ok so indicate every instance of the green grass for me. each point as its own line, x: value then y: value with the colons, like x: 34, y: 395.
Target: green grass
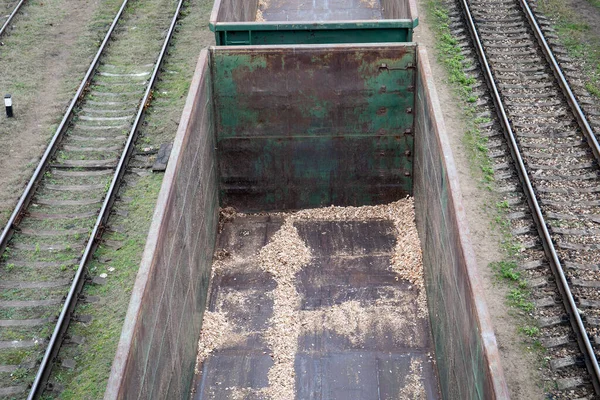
x: 518, y: 295
x: 531, y: 331
x: 507, y: 270
x: 95, y: 356
x: 581, y: 41
x: 519, y: 298
x: 449, y: 54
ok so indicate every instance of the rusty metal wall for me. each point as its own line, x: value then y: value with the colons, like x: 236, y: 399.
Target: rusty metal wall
x: 466, y: 351
x: 308, y: 126
x: 157, y: 351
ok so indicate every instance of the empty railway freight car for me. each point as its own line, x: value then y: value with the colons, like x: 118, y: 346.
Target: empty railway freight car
x: 285, y: 228
x: 261, y: 22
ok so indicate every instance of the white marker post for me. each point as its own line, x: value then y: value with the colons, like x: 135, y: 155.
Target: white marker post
x: 8, y: 105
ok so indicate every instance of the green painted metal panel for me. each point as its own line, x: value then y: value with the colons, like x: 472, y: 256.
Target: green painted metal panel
x: 265, y: 34
x: 246, y: 22
x: 260, y: 174
x: 305, y: 126
x: 313, y: 91
x: 231, y: 37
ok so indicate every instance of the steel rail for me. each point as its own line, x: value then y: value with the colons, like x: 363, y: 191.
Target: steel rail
x: 64, y: 318
x: 562, y: 81
x: 11, y: 16
x: 557, y: 269
x: 29, y: 191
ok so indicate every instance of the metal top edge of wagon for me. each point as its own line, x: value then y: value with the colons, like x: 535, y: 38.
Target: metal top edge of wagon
x: 264, y: 22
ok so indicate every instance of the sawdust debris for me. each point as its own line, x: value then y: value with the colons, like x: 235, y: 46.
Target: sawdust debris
x: 217, y: 331
x: 413, y: 388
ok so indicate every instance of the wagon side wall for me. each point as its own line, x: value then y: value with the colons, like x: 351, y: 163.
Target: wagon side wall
x: 465, y: 345
x: 157, y: 350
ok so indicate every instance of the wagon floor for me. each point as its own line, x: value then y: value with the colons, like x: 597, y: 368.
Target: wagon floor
x: 322, y: 10
x: 363, y: 354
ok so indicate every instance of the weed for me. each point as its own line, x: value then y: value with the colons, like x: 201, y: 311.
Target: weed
x: 518, y: 298
x: 595, y: 3
x: 501, y: 222
x: 478, y: 149
x: 507, y: 270
x: 531, y: 331
x: 593, y: 89
x: 538, y: 346
x: 512, y: 248
x: 503, y: 206
x: 19, y: 374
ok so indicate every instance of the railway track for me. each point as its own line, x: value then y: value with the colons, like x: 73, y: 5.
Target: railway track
x: 8, y: 10
x: 545, y: 161
x: 58, y: 221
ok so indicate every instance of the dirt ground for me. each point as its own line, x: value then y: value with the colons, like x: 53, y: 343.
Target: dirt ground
x: 519, y: 365
x: 41, y: 64
x: 588, y: 13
